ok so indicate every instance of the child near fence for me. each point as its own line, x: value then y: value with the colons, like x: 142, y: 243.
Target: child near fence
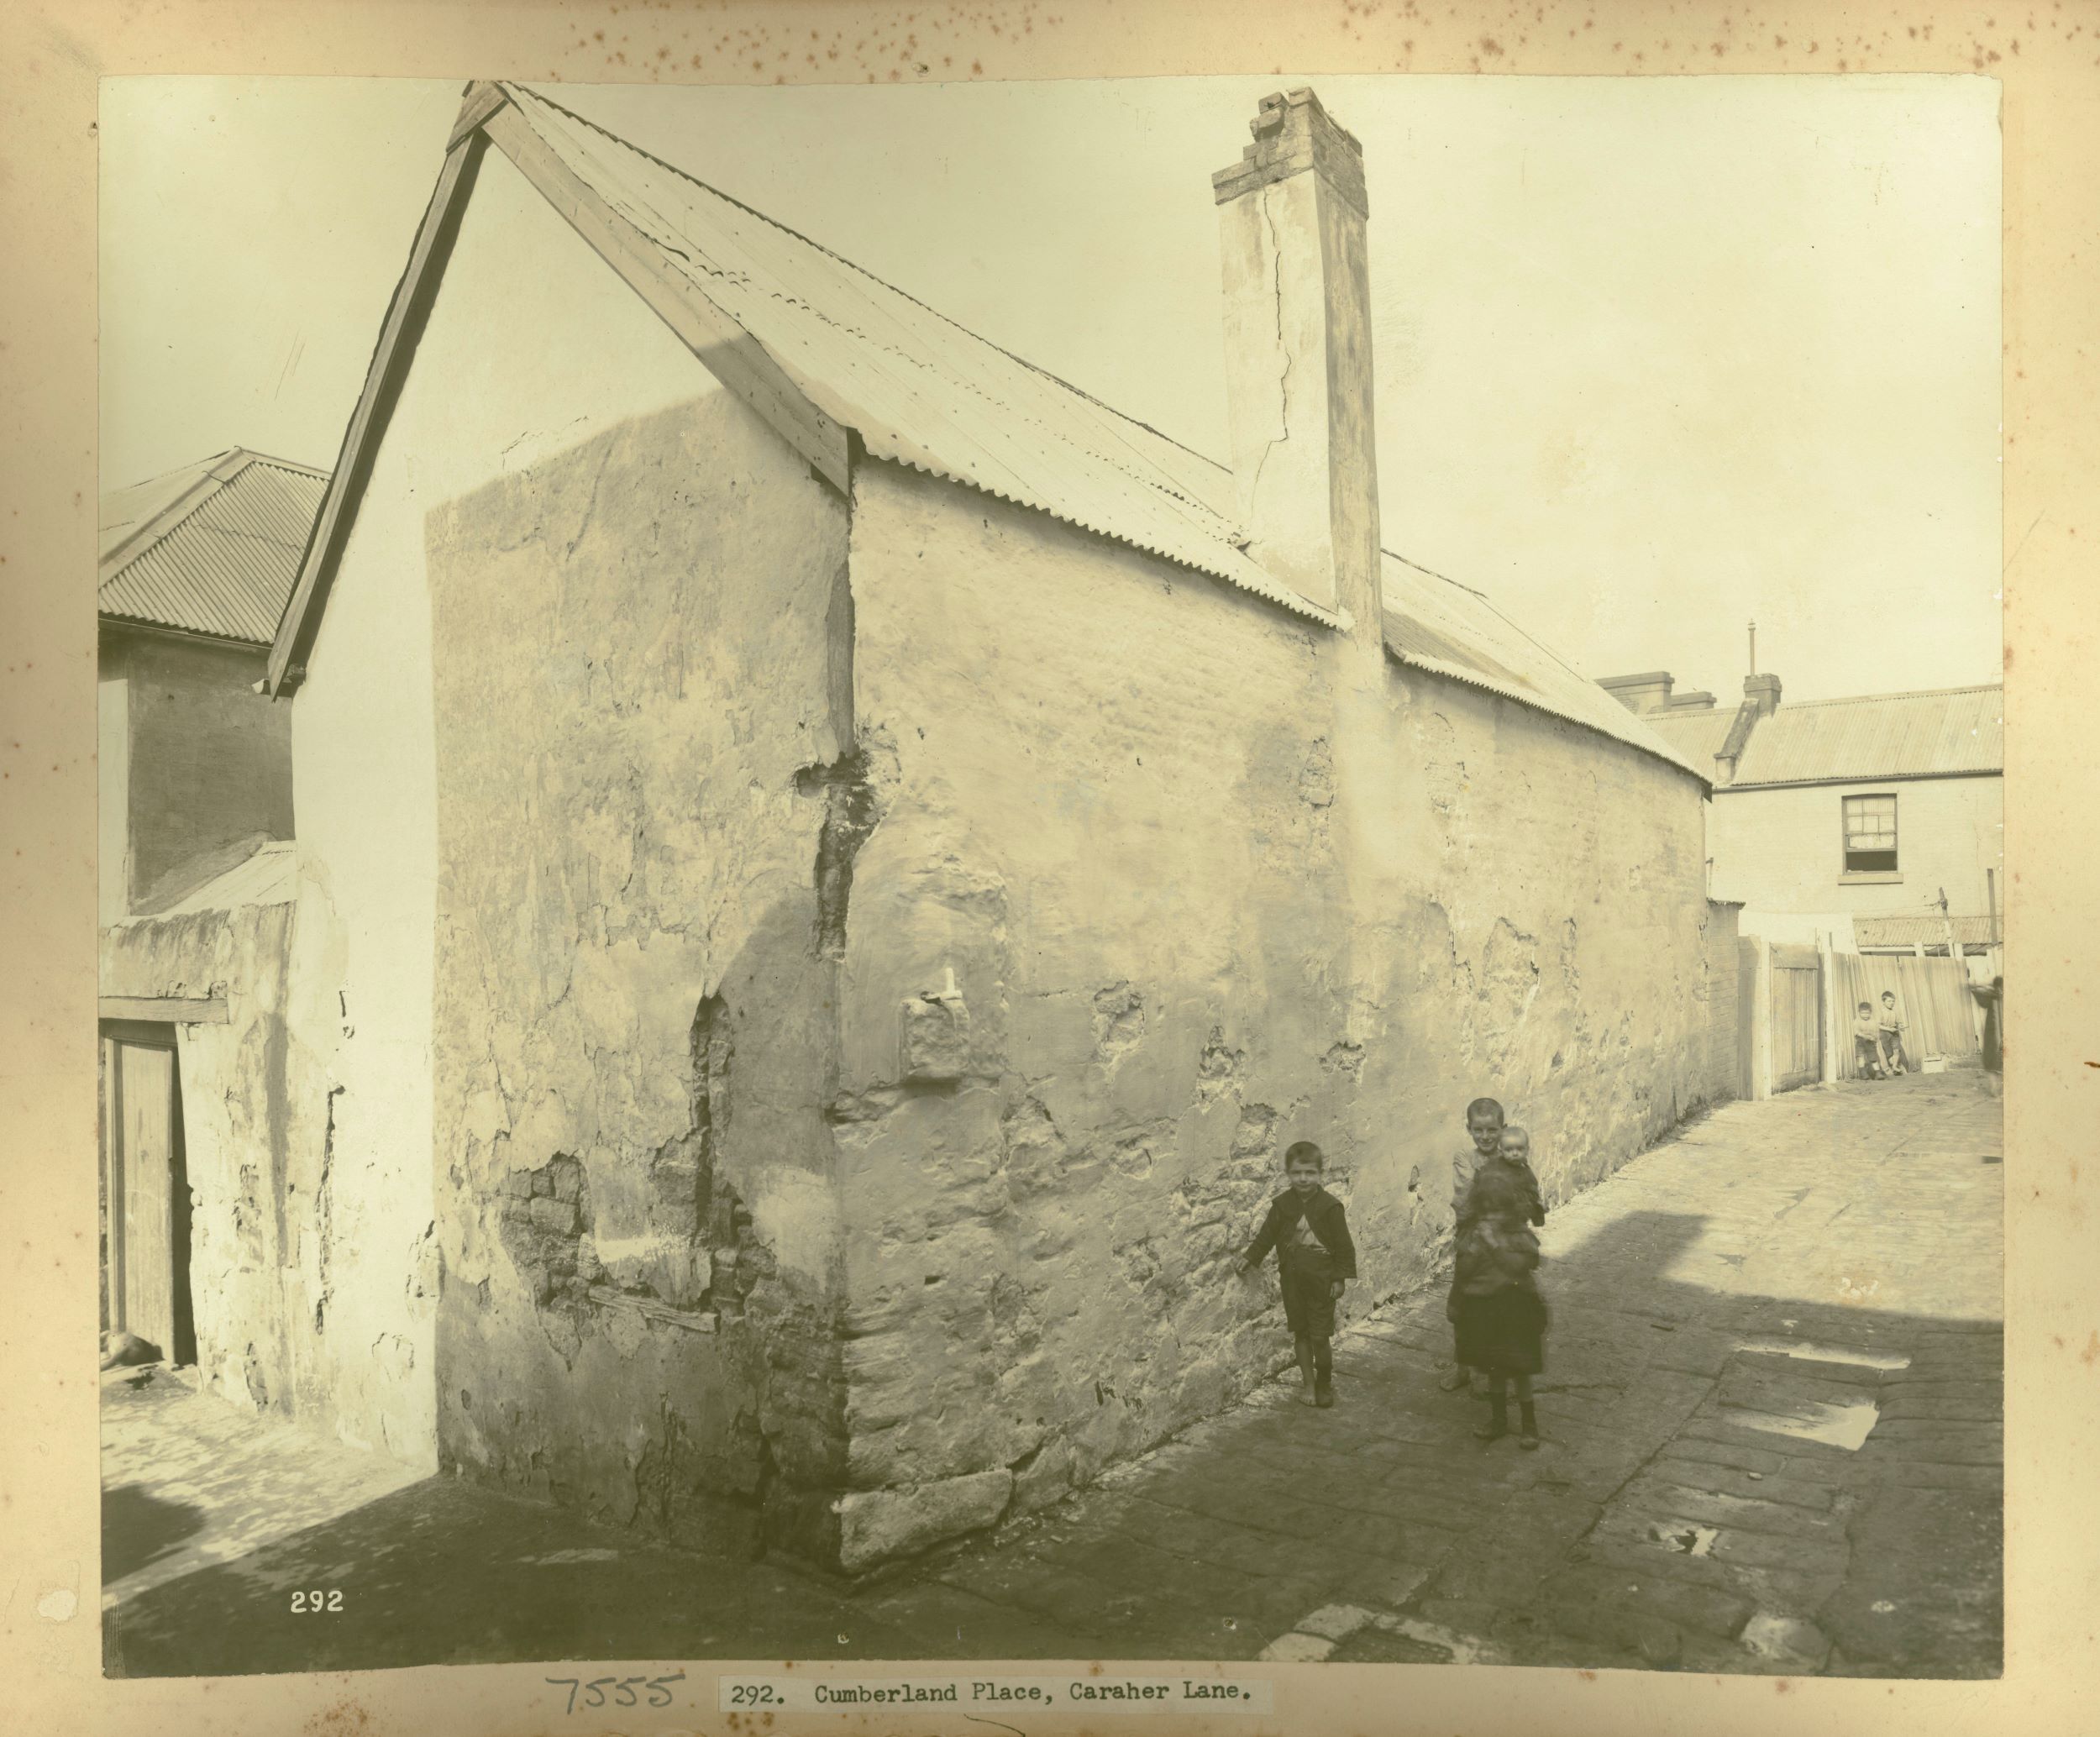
x: 1867, y: 1043
x: 1890, y: 1025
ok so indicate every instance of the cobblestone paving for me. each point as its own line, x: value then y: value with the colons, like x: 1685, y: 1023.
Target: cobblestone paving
x: 1773, y: 1431
x: 1772, y: 1423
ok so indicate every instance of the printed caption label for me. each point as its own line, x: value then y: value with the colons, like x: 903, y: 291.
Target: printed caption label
x: 1105, y: 1693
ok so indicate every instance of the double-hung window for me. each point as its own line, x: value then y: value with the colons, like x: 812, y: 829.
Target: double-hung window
x: 1869, y: 835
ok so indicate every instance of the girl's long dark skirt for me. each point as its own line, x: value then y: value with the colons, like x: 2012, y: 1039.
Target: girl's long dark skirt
x: 1503, y: 1332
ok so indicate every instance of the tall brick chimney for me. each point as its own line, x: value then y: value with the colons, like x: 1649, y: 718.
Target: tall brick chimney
x: 1762, y: 691
x: 1298, y: 354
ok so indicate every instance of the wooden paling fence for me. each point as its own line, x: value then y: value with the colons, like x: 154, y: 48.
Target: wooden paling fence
x: 1938, y: 1012
x: 1796, y: 1007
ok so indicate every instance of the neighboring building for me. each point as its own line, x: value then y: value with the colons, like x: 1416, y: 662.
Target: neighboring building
x: 1877, y: 821
x: 831, y: 864
x: 195, y: 765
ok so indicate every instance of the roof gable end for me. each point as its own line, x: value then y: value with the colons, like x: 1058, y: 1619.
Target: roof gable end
x: 828, y: 353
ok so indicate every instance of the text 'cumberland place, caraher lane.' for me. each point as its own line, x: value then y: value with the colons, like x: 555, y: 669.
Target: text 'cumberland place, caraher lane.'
x: 1124, y: 1693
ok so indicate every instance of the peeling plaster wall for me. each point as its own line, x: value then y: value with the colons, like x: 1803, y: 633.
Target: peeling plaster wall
x: 645, y: 791
x: 532, y: 345
x: 253, y: 1153
x: 1209, y: 880
x: 1562, y: 942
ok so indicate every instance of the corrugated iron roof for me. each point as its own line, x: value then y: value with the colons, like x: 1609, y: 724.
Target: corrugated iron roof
x: 922, y: 391
x: 213, y: 548
x: 269, y: 877
x: 916, y: 386
x: 1436, y: 624
x: 1930, y: 928
x: 1697, y: 735
x: 1949, y: 730
x: 1939, y: 732
x: 126, y: 511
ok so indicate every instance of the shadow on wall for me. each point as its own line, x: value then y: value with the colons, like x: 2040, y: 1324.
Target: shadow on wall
x: 650, y: 1357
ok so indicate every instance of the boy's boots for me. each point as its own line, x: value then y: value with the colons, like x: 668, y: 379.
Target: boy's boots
x: 1528, y: 1432
x: 1498, y: 1422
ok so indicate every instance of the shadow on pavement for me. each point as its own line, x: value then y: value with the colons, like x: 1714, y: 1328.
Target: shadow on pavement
x: 1733, y: 1478
x: 139, y: 1529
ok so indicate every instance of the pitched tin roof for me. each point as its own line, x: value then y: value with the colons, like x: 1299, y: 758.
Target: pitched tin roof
x: 1909, y: 930
x: 1436, y: 624
x: 210, y: 547
x: 1697, y: 735
x: 914, y: 386
x: 822, y: 346
x: 1938, y: 732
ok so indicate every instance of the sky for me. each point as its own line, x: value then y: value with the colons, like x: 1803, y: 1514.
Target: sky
x: 1653, y: 357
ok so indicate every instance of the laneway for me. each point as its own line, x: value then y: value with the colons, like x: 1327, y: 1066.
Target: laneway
x: 1773, y: 1441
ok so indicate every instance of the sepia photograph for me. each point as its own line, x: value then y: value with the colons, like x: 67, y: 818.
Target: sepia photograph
x: 1199, y: 869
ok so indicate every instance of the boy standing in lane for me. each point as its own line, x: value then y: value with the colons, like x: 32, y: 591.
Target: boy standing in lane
x: 1309, y: 1231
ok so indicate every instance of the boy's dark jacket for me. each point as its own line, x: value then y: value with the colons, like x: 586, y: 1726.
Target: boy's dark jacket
x: 1323, y: 1212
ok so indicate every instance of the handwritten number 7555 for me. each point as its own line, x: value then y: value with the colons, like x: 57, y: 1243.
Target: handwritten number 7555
x: 622, y: 1688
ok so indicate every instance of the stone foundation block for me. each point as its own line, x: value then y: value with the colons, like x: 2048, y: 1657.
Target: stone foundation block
x: 1046, y: 1479
x: 875, y: 1525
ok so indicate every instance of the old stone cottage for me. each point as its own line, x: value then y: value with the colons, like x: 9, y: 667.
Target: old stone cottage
x: 830, y: 863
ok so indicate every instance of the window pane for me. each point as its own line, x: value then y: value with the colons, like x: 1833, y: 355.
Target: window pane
x: 1869, y: 835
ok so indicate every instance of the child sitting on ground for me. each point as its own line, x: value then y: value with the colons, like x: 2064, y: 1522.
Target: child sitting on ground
x: 1483, y: 1130
x: 1310, y: 1233
x: 1867, y: 1043
x: 1501, y: 1317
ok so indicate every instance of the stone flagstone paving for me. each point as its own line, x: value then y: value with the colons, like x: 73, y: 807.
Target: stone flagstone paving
x: 1772, y: 1424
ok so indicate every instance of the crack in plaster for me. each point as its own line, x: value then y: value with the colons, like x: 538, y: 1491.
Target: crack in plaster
x: 1283, y: 379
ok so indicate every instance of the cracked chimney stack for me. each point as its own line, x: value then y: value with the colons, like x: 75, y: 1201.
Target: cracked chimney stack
x: 1298, y: 354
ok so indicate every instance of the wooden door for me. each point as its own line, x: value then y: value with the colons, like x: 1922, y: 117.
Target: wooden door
x: 149, y: 1191
x: 1796, y: 1018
